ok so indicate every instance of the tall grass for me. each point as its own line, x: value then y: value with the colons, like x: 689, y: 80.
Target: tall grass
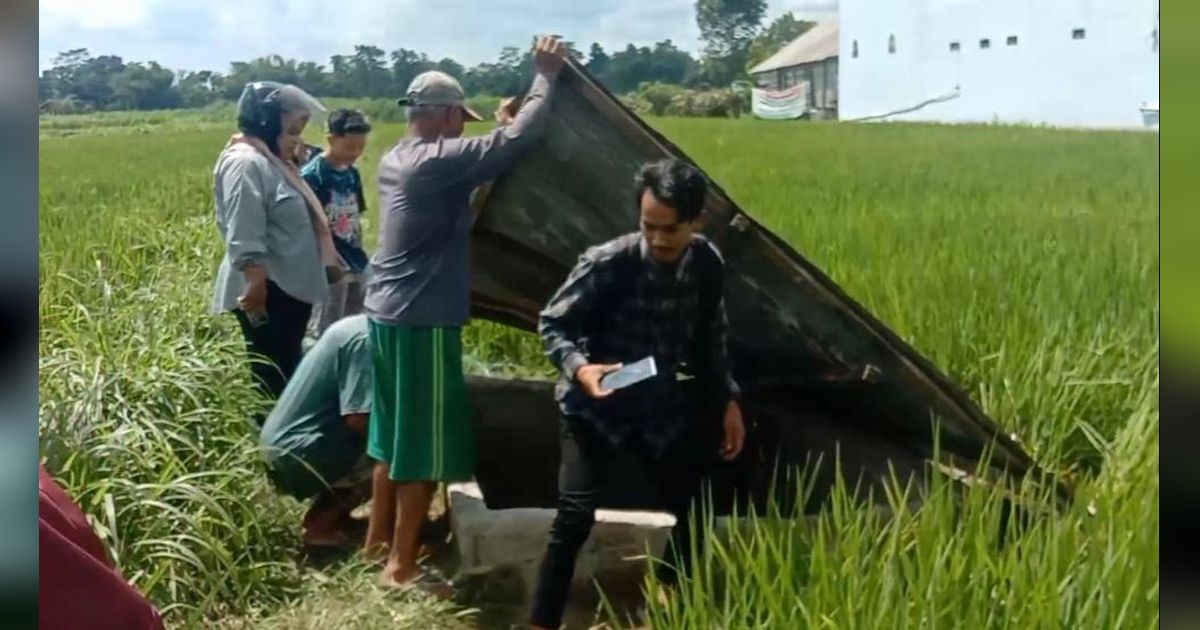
x: 1022, y: 261
x: 146, y: 400
x: 958, y: 558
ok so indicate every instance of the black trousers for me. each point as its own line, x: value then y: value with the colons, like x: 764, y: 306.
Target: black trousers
x: 278, y: 341
x: 586, y: 456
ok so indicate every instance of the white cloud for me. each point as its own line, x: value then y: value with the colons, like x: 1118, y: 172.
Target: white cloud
x: 807, y: 9
x: 95, y: 14
x: 644, y: 22
x: 195, y: 34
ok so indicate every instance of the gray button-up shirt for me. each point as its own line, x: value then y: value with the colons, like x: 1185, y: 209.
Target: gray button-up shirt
x: 263, y: 220
x: 420, y: 273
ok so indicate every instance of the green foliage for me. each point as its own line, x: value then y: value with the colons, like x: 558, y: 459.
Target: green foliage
x: 624, y: 71
x: 784, y: 30
x: 661, y: 99
x: 727, y: 28
x: 145, y: 86
x: 658, y: 96
x: 963, y: 559
x: 80, y: 83
x: 144, y: 398
x: 77, y: 75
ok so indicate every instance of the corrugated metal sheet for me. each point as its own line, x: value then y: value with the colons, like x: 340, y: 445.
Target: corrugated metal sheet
x: 818, y: 44
x: 822, y: 379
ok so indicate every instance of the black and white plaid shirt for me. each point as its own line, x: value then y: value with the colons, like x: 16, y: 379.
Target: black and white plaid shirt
x: 619, y: 305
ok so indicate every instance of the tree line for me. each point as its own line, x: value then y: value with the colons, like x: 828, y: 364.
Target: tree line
x: 734, y: 41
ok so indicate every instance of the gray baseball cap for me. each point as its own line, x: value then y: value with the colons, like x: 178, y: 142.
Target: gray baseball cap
x: 434, y: 88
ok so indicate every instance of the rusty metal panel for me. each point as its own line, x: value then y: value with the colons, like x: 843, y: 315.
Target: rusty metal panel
x: 795, y: 335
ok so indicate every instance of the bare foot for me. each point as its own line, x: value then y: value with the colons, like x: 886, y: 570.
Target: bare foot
x: 375, y: 546
x: 377, y: 552
x: 394, y: 577
x: 397, y: 575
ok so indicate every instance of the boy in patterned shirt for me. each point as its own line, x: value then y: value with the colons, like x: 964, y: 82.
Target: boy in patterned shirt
x: 333, y: 177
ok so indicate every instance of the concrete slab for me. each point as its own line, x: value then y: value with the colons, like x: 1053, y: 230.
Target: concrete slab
x: 511, y: 542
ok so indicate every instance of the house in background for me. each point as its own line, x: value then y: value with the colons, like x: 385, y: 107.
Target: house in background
x: 1077, y: 63
x: 802, y: 78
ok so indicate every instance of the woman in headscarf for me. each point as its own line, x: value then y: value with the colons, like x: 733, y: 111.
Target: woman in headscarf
x: 279, y: 255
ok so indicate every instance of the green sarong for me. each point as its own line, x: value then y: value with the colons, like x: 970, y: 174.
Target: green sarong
x: 421, y: 424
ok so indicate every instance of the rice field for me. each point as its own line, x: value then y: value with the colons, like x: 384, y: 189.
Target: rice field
x: 1022, y: 261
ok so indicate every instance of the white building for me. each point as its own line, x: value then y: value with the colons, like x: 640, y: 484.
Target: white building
x: 810, y: 60
x: 1085, y: 63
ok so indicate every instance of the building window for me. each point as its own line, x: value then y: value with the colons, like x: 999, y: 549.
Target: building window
x: 985, y: 44
x: 891, y: 44
x: 955, y: 47
x: 1079, y: 33
x: 854, y: 49
x: 1012, y: 40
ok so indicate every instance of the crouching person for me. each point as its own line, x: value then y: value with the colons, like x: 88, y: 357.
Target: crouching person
x: 654, y: 293
x: 314, y: 441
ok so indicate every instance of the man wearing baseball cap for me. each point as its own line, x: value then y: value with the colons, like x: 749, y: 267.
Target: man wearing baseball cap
x: 437, y: 89
x: 417, y: 300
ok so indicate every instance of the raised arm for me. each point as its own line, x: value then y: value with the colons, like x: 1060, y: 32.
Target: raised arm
x: 482, y: 158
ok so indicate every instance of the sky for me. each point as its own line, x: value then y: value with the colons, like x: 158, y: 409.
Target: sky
x: 208, y: 34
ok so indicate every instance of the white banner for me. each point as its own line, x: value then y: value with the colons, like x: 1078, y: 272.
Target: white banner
x: 780, y: 105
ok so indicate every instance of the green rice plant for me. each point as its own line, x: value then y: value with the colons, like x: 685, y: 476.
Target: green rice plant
x: 959, y: 557
x: 146, y: 405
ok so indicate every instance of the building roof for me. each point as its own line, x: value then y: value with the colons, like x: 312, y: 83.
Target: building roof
x: 817, y: 44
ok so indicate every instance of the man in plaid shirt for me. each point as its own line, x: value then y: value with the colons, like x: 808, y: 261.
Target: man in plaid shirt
x: 654, y: 293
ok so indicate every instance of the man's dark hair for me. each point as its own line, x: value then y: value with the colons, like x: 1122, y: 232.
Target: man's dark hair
x: 675, y: 183
x: 343, y: 122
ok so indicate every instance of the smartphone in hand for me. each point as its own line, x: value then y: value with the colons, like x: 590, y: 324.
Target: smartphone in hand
x: 630, y: 374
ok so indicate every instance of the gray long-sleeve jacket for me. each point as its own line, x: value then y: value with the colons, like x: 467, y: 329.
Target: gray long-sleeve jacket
x: 263, y: 220
x: 420, y: 273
